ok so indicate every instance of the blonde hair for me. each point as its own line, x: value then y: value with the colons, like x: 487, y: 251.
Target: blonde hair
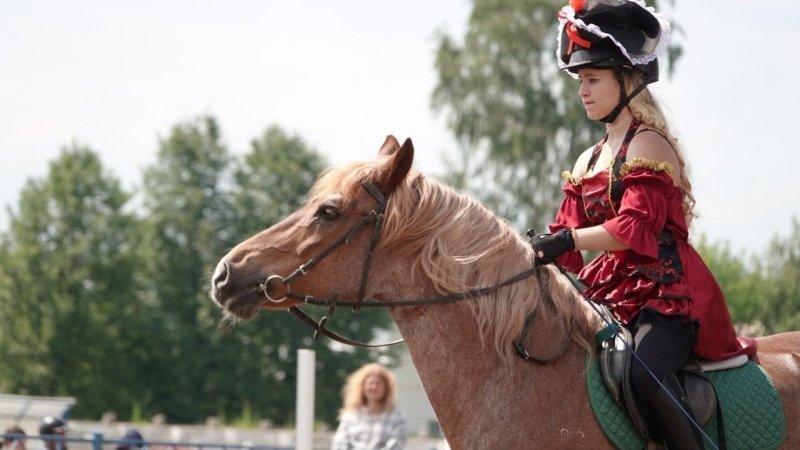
x: 353, y: 391
x: 646, y: 110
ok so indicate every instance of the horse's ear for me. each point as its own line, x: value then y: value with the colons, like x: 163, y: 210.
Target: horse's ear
x: 396, y: 167
x: 390, y: 145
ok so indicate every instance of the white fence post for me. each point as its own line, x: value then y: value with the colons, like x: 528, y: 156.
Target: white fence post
x: 306, y: 370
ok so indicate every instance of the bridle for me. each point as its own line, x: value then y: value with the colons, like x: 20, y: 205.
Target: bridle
x: 376, y: 215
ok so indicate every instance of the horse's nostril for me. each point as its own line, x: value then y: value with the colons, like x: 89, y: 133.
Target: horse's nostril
x: 221, y: 275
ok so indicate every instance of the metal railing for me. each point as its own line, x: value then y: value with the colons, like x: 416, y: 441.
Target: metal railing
x: 96, y: 441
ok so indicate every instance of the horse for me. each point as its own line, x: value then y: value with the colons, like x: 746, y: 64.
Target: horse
x: 428, y: 241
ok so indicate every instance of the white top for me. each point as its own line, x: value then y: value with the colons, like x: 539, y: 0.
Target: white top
x: 361, y: 430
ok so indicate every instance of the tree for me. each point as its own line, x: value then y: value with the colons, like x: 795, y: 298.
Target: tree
x: 763, y: 293
x: 199, y: 202
x: 782, y: 308
x: 114, y: 310
x: 516, y: 118
x: 186, y: 229
x: 273, y: 179
x: 742, y: 282
x: 67, y: 289
x: 507, y: 106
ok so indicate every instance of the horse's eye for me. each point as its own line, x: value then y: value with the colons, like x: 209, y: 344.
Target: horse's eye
x: 328, y: 212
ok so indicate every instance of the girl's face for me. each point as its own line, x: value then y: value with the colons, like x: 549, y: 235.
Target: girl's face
x: 599, y: 92
x: 374, y: 388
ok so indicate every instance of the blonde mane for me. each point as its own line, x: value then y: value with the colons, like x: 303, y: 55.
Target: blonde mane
x: 461, y: 246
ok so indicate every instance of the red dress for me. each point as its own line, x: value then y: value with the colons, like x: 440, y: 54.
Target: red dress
x: 661, y: 270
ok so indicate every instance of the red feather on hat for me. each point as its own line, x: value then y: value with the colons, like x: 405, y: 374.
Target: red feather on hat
x: 577, y: 5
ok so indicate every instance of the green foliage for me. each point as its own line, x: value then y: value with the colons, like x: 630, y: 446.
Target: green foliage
x: 740, y: 279
x: 272, y: 180
x: 67, y: 291
x: 783, y: 273
x: 114, y: 310
x: 184, y: 233
x: 762, y: 292
x: 516, y: 117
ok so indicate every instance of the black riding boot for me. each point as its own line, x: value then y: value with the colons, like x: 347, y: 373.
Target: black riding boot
x: 677, y: 431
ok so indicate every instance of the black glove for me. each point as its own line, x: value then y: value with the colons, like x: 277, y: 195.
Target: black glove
x: 547, y: 247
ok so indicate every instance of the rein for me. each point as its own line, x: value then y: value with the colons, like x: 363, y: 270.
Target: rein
x: 376, y: 215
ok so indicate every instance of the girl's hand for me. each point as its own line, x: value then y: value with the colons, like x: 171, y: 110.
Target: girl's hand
x: 547, y: 247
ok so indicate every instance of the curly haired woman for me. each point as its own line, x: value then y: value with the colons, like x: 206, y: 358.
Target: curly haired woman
x: 369, y: 419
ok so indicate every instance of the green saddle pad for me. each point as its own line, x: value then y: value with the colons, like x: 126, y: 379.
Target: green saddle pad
x: 751, y: 410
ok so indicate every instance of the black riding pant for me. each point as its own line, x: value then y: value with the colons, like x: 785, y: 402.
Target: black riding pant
x: 664, y: 344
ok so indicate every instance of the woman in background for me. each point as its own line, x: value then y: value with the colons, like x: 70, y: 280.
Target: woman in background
x: 369, y: 418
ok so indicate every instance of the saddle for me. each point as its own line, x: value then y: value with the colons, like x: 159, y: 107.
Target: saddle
x: 615, y: 362
x: 746, y: 397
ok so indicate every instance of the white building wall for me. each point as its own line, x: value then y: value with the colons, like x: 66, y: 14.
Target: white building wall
x: 421, y: 420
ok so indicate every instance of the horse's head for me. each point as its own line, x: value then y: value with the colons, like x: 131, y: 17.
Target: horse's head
x: 320, y: 249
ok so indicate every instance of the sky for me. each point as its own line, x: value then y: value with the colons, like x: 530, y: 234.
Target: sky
x: 342, y: 75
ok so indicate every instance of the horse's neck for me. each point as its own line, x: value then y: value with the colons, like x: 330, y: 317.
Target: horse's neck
x: 479, y: 402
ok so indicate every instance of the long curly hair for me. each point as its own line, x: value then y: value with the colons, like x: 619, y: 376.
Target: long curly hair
x: 353, y: 391
x: 647, y: 110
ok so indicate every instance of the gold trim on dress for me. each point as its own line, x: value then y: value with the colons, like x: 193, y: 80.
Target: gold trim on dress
x: 641, y: 163
x: 611, y: 179
x: 567, y: 175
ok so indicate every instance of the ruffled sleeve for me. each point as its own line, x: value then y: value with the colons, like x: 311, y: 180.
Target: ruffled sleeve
x: 570, y: 215
x: 644, y: 208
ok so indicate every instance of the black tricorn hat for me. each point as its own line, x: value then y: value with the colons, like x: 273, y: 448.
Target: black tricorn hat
x: 611, y: 33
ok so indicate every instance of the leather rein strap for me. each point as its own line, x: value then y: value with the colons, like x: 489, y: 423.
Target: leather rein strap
x: 319, y: 327
x: 375, y: 215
